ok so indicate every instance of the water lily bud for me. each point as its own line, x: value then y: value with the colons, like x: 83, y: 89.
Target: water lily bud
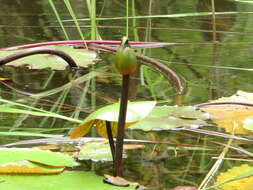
x: 125, y: 61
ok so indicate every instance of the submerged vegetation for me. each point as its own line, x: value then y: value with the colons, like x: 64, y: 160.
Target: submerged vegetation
x: 182, y: 127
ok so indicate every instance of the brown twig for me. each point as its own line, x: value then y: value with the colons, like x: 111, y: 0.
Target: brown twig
x: 223, y: 103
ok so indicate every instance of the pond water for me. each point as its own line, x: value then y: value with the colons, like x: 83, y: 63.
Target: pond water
x: 216, y: 62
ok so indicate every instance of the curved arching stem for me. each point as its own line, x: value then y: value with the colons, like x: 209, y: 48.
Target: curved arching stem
x: 170, y: 73
x: 224, y: 103
x: 29, y: 52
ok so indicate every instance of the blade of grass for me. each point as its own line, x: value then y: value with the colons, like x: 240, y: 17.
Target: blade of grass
x: 39, y: 112
x: 73, y: 15
x: 58, y: 19
x: 215, y: 167
x: 127, y: 20
x: 28, y: 134
x: 178, y: 15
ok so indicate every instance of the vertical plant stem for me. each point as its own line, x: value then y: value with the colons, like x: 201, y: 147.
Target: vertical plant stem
x: 110, y: 138
x: 118, y: 164
x: 214, y: 22
x: 127, y: 15
x: 73, y: 15
x: 58, y: 19
x: 135, y: 30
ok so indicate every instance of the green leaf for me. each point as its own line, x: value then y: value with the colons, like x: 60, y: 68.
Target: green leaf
x: 95, y: 152
x: 136, y: 111
x: 49, y: 158
x: 171, y: 117
x: 82, y: 58
x: 64, y: 181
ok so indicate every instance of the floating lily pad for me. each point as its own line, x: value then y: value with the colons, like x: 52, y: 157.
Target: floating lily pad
x: 230, y: 113
x: 9, y: 155
x: 64, y: 181
x: 82, y: 58
x: 172, y: 117
x: 136, y: 111
x: 27, y: 167
x: 96, y: 152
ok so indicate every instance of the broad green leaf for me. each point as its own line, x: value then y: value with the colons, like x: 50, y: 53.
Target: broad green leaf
x: 136, y: 111
x: 49, y: 158
x: 171, y: 117
x: 27, y: 167
x: 82, y: 58
x: 64, y: 181
x: 95, y: 152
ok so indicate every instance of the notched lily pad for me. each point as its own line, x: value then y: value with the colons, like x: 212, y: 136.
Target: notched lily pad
x: 82, y: 57
x: 27, y: 167
x: 65, y: 181
x: 96, y: 152
x: 172, y: 117
x: 10, y: 155
x: 230, y: 114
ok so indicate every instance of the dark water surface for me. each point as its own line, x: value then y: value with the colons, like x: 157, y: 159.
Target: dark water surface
x: 215, y: 64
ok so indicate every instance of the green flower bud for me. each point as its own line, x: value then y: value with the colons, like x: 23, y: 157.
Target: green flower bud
x: 124, y: 59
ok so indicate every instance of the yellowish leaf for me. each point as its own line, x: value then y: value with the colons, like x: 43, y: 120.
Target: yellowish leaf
x: 244, y: 183
x: 231, y: 116
x: 132, y: 146
x: 27, y: 167
x: 3, y: 79
x: 81, y: 130
x: 118, y: 181
x: 101, y: 128
x: 100, y: 125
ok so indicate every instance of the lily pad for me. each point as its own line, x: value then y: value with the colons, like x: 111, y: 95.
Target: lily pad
x: 40, y: 61
x: 172, y: 117
x: 27, y: 167
x: 136, y: 111
x: 64, y: 181
x: 9, y: 155
x: 96, y: 152
x: 231, y: 113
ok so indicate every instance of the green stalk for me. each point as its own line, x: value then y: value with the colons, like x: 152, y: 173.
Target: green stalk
x: 127, y: 24
x: 118, y: 163
x: 58, y: 19
x: 73, y: 15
